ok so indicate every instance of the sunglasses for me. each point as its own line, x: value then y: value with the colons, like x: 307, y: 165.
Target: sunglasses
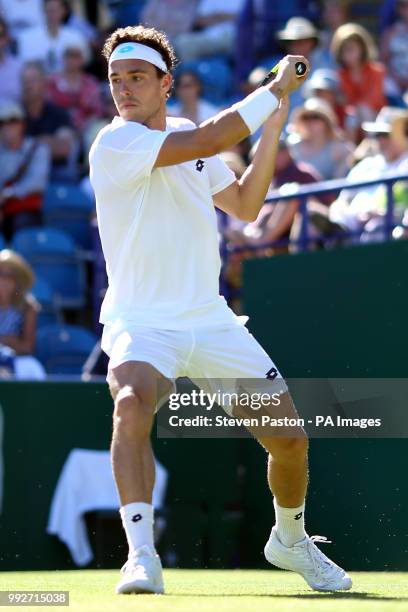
x: 378, y: 135
x: 312, y: 117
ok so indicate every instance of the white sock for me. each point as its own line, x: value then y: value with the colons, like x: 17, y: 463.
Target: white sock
x: 137, y: 521
x: 290, y: 523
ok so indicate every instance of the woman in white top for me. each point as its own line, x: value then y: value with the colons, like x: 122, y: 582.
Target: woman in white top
x: 189, y: 103
x: 315, y: 138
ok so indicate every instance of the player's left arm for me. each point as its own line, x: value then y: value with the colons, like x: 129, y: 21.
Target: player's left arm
x: 244, y: 198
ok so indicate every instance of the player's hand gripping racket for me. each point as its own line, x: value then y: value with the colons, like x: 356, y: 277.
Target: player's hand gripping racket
x: 300, y: 68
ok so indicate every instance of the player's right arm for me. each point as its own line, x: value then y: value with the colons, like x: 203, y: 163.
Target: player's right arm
x: 228, y: 127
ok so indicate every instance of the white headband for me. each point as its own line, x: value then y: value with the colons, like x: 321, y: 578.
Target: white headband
x: 131, y: 50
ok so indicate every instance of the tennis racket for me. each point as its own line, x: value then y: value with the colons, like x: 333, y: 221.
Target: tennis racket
x: 300, y: 68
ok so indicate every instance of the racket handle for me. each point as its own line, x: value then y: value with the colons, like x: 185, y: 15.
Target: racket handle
x: 300, y: 68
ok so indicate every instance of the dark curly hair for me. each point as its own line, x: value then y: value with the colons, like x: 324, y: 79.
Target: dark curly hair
x: 146, y: 36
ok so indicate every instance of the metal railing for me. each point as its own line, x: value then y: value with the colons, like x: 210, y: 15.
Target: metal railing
x: 302, y: 193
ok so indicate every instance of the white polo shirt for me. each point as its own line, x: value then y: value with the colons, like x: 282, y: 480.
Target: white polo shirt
x: 158, y: 230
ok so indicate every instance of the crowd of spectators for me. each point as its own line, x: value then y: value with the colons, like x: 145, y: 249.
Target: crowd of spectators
x: 349, y: 119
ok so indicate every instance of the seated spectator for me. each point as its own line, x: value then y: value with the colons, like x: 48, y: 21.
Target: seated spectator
x: 257, y: 25
x: 75, y: 90
x: 77, y: 20
x: 174, y: 17
x: 24, y: 171
x: 108, y: 112
x: 94, y: 126
x: 51, y: 124
x: 274, y: 221
x: 335, y: 13
x: 361, y: 78
x: 354, y: 208
x: 214, y: 30
x: 10, y: 69
x: 300, y: 37
x: 394, y: 53
x: 315, y: 138
x: 22, y: 15
x: 18, y: 315
x: 48, y: 43
x: 189, y: 103
x: 324, y: 84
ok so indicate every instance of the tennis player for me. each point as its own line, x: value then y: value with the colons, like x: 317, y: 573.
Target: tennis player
x: 157, y: 180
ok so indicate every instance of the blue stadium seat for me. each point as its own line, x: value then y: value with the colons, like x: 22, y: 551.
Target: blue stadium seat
x: 49, y: 312
x: 53, y: 256
x: 216, y: 75
x: 68, y: 208
x: 63, y: 349
x: 2, y: 242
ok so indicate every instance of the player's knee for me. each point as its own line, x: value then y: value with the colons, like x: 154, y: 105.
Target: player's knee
x: 131, y: 416
x: 292, y: 450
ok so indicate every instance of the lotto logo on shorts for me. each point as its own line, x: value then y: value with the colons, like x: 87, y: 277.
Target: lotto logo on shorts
x: 272, y: 374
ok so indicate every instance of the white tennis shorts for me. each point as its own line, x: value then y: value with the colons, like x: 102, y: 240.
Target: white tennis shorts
x: 212, y: 357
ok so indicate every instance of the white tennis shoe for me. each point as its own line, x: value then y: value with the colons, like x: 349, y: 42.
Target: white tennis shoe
x: 142, y: 573
x: 306, y: 559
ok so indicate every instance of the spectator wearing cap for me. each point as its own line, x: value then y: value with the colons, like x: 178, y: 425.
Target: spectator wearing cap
x: 354, y: 208
x: 75, y: 90
x: 361, y: 78
x: 324, y: 84
x: 50, y: 123
x: 213, y: 32
x: 300, y: 37
x: 175, y: 17
x: 48, y: 43
x: 189, y: 102
x: 315, y: 138
x: 24, y: 172
x: 257, y: 25
x: 18, y: 315
x: 10, y: 69
x: 394, y: 53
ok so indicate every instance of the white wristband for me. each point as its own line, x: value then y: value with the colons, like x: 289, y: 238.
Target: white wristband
x: 256, y: 108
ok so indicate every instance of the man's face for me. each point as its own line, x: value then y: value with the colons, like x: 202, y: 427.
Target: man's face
x: 12, y: 132
x: 303, y: 46
x: 33, y: 84
x: 389, y: 147
x: 54, y: 12
x: 139, y: 93
x: 188, y: 89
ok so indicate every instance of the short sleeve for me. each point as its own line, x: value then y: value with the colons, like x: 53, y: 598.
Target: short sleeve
x: 219, y: 174
x: 128, y: 152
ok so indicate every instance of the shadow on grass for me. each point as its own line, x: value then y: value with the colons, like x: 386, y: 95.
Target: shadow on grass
x: 321, y: 595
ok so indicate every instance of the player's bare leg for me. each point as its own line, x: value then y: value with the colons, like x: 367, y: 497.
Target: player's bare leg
x: 289, y: 546
x: 134, y: 388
